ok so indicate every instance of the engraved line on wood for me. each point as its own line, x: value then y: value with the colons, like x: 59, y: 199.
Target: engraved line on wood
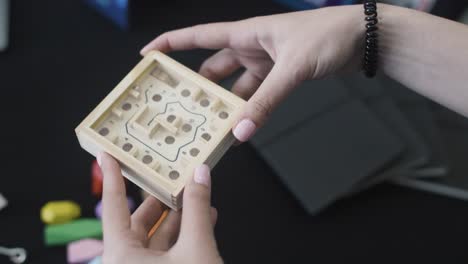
x: 165, y: 110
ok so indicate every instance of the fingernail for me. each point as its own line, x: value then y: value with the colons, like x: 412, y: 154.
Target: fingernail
x: 98, y: 158
x: 202, y: 175
x: 244, y: 130
x: 143, y: 50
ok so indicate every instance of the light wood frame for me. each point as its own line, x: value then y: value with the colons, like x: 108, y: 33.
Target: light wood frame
x: 144, y: 176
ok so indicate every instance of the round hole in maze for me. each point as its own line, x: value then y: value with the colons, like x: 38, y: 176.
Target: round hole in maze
x: 194, y: 152
x: 185, y: 93
x: 186, y: 128
x: 171, y: 118
x: 204, y: 102
x: 147, y: 159
x: 104, y: 131
x: 169, y: 139
x: 206, y: 136
x: 157, y: 97
x: 174, y: 175
x: 127, y: 147
x: 126, y: 106
x: 223, y: 115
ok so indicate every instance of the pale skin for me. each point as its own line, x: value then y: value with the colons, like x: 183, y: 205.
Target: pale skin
x: 426, y: 53
x: 183, y: 237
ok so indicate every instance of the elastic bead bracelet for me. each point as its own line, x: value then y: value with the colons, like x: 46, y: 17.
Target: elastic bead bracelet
x: 371, y: 41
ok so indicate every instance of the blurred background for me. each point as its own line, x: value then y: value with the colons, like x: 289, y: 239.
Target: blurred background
x: 368, y: 172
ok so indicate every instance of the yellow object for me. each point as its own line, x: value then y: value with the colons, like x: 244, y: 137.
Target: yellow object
x: 59, y: 212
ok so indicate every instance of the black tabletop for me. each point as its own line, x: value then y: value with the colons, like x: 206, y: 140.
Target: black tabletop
x: 64, y: 58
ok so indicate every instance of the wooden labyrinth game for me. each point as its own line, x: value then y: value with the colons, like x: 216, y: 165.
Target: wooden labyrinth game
x: 160, y: 122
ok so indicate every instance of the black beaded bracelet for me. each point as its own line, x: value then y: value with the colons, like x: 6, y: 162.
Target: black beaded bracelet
x: 371, y: 50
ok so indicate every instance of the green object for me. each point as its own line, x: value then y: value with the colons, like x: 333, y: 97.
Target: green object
x: 63, y: 234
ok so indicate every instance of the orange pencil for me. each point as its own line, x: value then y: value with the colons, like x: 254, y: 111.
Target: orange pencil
x: 158, y: 223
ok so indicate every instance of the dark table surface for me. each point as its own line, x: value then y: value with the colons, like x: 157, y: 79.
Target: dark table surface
x: 65, y: 58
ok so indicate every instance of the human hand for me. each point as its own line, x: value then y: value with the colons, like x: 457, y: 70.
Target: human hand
x: 278, y: 52
x: 183, y: 237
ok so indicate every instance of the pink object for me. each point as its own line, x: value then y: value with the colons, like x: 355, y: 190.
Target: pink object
x: 202, y: 175
x: 98, y: 209
x: 84, y: 250
x: 244, y: 130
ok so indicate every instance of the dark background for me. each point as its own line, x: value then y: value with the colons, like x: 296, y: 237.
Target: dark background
x: 64, y: 58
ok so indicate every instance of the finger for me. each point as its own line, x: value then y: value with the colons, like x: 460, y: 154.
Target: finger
x: 214, y: 216
x: 197, y: 225
x: 246, y: 85
x: 145, y: 216
x: 220, y: 65
x: 167, y: 233
x: 276, y: 86
x: 207, y: 36
x: 115, y: 212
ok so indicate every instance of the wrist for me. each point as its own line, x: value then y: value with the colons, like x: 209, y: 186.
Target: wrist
x: 355, y: 31
x: 357, y: 27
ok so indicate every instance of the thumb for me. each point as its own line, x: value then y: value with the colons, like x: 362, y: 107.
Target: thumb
x: 274, y: 89
x: 197, y: 219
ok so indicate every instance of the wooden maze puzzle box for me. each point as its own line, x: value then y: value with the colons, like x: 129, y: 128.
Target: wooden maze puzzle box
x: 160, y: 122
